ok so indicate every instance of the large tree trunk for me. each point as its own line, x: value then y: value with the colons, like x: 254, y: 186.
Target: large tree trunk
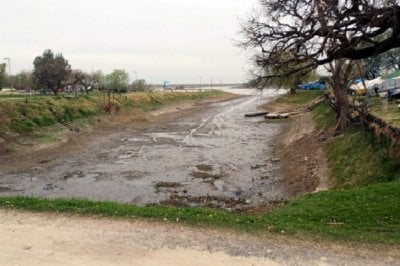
x: 343, y: 108
x: 341, y: 72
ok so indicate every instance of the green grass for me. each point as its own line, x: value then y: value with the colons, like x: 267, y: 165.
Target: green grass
x: 324, y: 116
x: 366, y: 214
x: 300, y: 98
x: 391, y: 115
x: 26, y: 115
x: 359, y: 158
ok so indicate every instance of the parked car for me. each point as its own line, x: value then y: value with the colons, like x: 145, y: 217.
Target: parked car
x: 316, y: 85
x: 373, y: 86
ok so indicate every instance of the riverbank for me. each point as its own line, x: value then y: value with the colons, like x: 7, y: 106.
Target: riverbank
x: 348, y: 212
x: 28, y: 124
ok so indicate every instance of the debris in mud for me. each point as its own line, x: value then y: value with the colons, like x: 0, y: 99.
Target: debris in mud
x: 4, y: 189
x: 132, y: 175
x: 36, y: 168
x: 255, y: 114
x: 49, y: 187
x: 44, y: 161
x: 79, y: 174
x: 275, y: 160
x: 205, y: 176
x: 257, y: 166
x: 205, y: 201
x: 204, y: 167
x: 277, y: 116
x: 158, y: 186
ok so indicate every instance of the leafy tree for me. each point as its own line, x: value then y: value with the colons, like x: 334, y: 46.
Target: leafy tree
x: 387, y: 61
x: 139, y: 85
x: 50, y: 70
x: 318, y: 32
x: 98, y: 80
x: 117, y: 81
x: 22, y: 80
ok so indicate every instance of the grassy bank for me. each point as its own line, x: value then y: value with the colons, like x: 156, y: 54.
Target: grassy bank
x: 366, y: 214
x: 298, y: 99
x: 24, y: 115
x: 364, y: 206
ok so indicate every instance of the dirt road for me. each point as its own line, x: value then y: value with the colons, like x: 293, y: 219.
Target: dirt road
x: 50, y: 239
x: 208, y: 155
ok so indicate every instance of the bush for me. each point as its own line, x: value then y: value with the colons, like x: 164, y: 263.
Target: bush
x: 25, y: 126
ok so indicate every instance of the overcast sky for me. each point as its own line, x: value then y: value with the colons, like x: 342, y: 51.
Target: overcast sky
x: 175, y: 40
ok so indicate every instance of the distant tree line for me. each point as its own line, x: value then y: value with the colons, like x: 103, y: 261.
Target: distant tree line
x: 52, y: 73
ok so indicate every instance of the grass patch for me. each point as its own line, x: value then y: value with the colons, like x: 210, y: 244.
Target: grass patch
x: 298, y: 99
x: 366, y: 214
x: 27, y: 114
x: 359, y: 158
x: 324, y: 116
x: 391, y: 115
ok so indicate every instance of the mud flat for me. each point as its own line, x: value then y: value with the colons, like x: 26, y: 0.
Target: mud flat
x: 208, y: 155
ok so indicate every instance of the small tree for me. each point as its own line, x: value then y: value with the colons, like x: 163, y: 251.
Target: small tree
x: 117, y: 81
x: 99, y: 80
x: 139, y: 85
x: 50, y: 70
x: 22, y: 80
x: 83, y: 79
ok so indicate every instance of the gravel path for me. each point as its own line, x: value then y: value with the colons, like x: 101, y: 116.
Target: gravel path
x: 53, y: 239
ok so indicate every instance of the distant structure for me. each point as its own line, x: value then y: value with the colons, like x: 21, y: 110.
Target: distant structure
x: 166, y: 85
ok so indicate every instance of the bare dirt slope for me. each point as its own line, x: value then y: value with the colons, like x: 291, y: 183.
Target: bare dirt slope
x: 50, y: 239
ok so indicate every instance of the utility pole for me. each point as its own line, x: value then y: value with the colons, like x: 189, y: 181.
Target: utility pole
x: 9, y: 65
x: 201, y: 77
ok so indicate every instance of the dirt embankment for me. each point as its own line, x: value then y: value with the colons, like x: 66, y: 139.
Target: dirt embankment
x: 300, y: 149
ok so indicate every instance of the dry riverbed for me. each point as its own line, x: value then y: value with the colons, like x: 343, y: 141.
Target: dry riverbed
x: 206, y: 155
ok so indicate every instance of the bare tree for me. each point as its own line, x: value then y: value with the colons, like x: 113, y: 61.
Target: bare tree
x: 317, y: 32
x: 83, y: 79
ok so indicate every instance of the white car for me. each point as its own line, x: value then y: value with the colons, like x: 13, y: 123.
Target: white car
x: 373, y: 86
x: 385, y: 88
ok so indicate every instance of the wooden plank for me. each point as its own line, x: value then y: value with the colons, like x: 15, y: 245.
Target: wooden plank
x: 256, y: 114
x: 277, y: 116
x: 272, y: 116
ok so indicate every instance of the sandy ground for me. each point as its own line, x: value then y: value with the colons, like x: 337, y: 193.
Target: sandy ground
x: 51, y: 239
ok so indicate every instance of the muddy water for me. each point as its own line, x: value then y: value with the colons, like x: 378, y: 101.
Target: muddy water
x: 208, y: 156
